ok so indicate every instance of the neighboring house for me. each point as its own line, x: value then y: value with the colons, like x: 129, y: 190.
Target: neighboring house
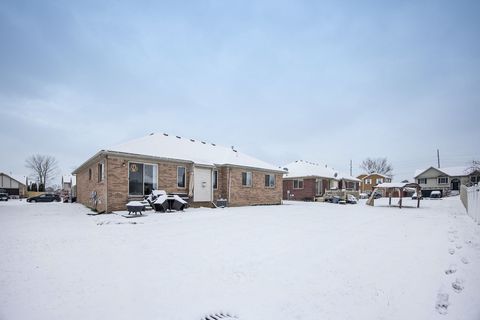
x: 369, y: 181
x: 306, y: 180
x: 446, y: 179
x: 67, y: 186
x: 198, y: 171
x: 13, y: 186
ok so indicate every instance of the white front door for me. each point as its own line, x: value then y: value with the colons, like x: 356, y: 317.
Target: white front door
x: 202, y: 187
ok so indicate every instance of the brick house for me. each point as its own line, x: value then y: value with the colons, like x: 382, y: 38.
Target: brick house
x: 307, y: 180
x: 202, y: 172
x: 369, y: 181
x: 446, y: 179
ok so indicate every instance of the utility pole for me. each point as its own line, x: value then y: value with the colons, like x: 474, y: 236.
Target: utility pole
x: 350, y: 168
x: 438, y: 158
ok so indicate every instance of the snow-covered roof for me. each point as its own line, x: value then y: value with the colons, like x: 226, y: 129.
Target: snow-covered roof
x: 199, y: 152
x: 301, y: 168
x: 449, y: 171
x: 16, y: 177
x: 375, y: 173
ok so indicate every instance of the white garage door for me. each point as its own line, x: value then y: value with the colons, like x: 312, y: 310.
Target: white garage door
x: 202, y: 187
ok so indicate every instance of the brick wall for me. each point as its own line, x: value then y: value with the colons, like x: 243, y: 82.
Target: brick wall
x: 307, y: 193
x: 118, y: 179
x: 85, y: 186
x: 257, y: 193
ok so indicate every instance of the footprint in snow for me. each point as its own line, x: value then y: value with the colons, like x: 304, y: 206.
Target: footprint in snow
x: 451, y: 240
x: 451, y: 251
x: 459, y: 246
x: 465, y: 260
x: 442, y: 303
x: 451, y: 269
x: 458, y: 285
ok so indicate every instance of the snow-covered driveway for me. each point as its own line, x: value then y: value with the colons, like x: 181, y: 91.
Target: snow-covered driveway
x: 295, y: 261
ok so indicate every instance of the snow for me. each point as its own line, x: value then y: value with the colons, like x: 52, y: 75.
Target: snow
x: 394, y: 185
x: 295, y: 261
x: 302, y: 169
x: 200, y: 152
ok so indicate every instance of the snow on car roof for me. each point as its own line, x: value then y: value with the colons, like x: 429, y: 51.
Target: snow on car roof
x: 198, y: 151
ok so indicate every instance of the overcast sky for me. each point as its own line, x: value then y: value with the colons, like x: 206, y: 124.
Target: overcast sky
x: 324, y: 81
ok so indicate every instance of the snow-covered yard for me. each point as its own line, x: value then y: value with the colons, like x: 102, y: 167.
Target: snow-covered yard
x: 295, y: 261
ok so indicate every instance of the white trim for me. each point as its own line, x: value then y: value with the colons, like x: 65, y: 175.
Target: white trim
x: 143, y: 176
x: 246, y: 179
x: 216, y: 176
x: 274, y: 180
x: 298, y: 188
x: 185, y: 178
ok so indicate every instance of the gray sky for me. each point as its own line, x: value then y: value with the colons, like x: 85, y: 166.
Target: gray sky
x: 324, y: 81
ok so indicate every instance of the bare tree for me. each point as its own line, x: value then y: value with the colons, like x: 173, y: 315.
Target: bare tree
x: 378, y: 165
x: 474, y: 166
x: 44, y: 168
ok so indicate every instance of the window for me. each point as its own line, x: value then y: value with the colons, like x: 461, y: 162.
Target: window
x: 297, y: 184
x: 246, y: 179
x: 181, y: 173
x: 142, y: 178
x: 215, y: 179
x: 379, y: 180
x: 101, y: 171
x: 270, y: 180
x: 368, y: 181
x: 422, y: 181
x: 442, y: 180
x: 90, y: 174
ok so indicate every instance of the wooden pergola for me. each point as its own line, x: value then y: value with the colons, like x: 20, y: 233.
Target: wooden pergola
x: 390, y: 187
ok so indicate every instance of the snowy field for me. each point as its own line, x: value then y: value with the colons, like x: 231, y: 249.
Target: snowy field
x: 295, y: 261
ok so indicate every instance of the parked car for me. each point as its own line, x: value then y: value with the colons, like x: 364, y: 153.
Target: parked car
x: 4, y: 197
x: 435, y: 195
x: 47, y: 197
x: 414, y: 196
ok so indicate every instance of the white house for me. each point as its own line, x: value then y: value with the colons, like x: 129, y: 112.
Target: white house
x: 446, y: 179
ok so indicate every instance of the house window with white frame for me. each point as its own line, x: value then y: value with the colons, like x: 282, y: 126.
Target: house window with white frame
x: 247, y: 179
x: 368, y: 181
x: 215, y: 179
x: 181, y: 177
x: 298, y: 184
x: 101, y: 171
x: 422, y: 181
x: 142, y: 178
x: 442, y: 180
x: 270, y: 180
x: 379, y: 180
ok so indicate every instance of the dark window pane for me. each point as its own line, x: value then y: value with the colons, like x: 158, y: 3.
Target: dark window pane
x: 244, y: 178
x: 215, y: 179
x: 181, y: 177
x: 135, y: 179
x: 148, y: 179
